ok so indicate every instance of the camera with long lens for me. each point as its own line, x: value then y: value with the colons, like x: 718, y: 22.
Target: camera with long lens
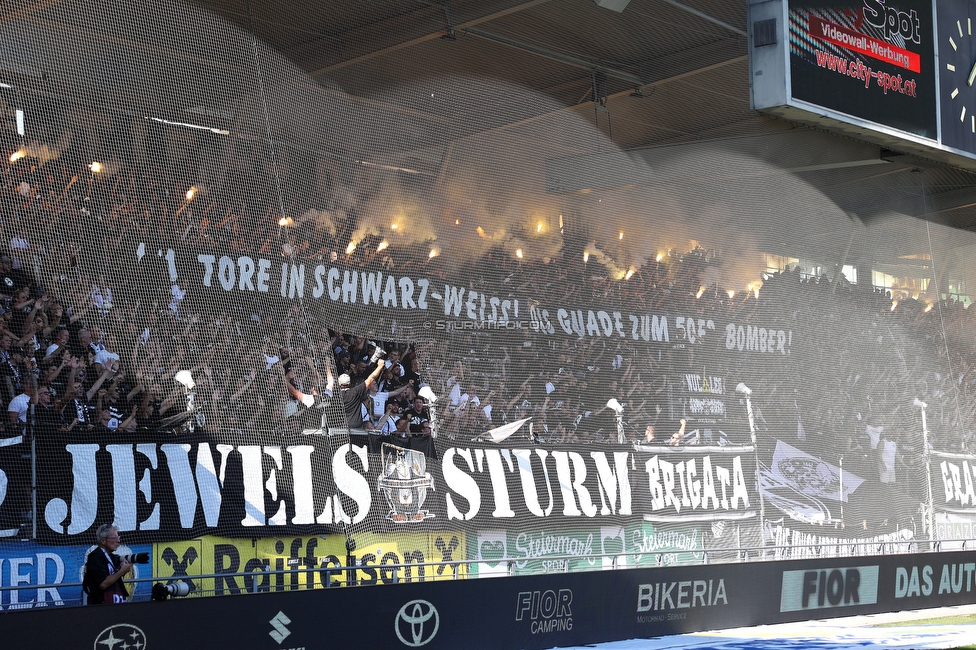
x: 135, y: 558
x: 172, y: 590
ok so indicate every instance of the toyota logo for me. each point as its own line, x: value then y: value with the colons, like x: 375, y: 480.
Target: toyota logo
x: 417, y: 623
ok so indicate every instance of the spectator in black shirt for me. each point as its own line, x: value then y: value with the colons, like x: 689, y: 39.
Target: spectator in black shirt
x: 47, y: 420
x: 102, y: 425
x: 418, y: 416
x: 352, y: 396
x: 11, y: 279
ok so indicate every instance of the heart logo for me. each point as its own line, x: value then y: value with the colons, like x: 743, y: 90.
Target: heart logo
x: 492, y: 550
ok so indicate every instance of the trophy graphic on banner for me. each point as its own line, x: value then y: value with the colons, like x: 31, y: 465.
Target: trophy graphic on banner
x: 404, y: 482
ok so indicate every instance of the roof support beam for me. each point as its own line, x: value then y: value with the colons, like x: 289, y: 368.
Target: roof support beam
x: 400, y: 32
x: 660, y: 82
x: 556, y: 56
x: 21, y: 9
x: 704, y: 16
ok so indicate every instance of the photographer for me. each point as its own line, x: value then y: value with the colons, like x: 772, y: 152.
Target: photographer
x: 104, y: 570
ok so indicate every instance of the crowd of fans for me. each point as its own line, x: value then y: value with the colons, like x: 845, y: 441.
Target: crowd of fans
x: 97, y: 343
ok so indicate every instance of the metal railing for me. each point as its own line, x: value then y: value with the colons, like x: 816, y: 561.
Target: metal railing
x: 262, y: 579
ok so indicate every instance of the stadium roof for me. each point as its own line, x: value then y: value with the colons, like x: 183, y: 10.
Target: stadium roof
x: 664, y: 80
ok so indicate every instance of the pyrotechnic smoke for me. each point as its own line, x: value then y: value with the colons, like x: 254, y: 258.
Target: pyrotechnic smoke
x: 41, y: 152
x: 466, y: 164
x: 592, y: 253
x: 321, y: 220
x: 392, y: 214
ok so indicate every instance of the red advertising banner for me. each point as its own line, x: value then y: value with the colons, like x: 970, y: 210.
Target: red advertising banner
x: 875, y: 48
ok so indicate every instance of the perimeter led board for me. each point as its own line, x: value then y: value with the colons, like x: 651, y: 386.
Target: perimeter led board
x: 899, y: 73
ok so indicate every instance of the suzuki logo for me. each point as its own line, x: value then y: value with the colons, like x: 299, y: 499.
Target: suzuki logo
x: 280, y: 632
x: 420, y: 619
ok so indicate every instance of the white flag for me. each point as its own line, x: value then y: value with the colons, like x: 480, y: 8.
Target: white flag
x: 501, y: 433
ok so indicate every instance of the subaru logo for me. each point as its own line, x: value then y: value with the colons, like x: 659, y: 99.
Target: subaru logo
x: 122, y: 635
x: 417, y: 623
